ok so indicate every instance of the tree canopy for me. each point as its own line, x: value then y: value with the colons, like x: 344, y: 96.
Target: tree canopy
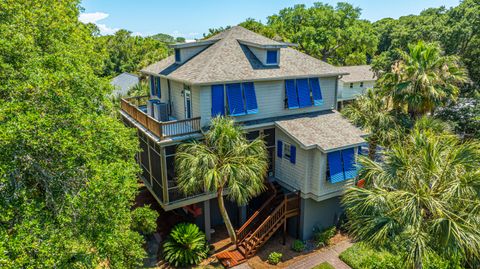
x: 67, y: 168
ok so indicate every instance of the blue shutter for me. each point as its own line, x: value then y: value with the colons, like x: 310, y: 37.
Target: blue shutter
x: 336, y: 167
x: 158, y: 87
x: 235, y: 99
x: 291, y: 93
x: 316, y: 91
x: 177, y: 55
x: 218, y: 100
x: 303, y: 93
x: 152, y: 85
x: 349, y: 167
x: 293, y: 154
x: 250, y: 97
x: 272, y: 57
x: 279, y: 149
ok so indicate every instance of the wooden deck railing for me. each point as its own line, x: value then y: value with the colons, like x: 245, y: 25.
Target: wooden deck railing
x: 159, y: 128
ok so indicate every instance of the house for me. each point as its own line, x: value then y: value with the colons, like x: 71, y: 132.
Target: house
x: 123, y: 83
x: 270, y: 89
x: 359, y: 78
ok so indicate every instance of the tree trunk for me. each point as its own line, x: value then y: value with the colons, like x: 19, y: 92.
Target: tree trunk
x: 226, y: 219
x: 372, y: 149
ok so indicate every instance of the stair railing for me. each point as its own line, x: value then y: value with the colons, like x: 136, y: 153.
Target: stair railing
x: 254, y: 219
x: 267, y: 225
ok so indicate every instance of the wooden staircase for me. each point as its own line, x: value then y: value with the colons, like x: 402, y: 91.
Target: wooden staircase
x: 272, y: 215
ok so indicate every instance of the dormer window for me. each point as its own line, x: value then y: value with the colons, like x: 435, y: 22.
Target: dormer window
x: 177, y: 56
x: 272, y: 57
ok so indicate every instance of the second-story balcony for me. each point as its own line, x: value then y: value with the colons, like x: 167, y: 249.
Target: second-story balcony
x: 136, y: 108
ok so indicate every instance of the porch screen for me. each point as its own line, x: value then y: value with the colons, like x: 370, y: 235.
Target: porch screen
x: 336, y: 167
x: 303, y: 93
x: 250, y: 97
x: 291, y: 93
x: 316, y: 91
x: 235, y: 99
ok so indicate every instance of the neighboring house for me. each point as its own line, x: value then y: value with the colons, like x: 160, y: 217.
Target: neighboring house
x: 273, y: 90
x: 123, y: 83
x: 359, y: 78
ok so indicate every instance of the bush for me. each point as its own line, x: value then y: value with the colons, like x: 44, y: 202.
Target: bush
x: 275, y: 257
x: 324, y: 265
x: 323, y: 236
x: 186, y: 245
x: 361, y: 256
x: 298, y: 246
x: 144, y: 220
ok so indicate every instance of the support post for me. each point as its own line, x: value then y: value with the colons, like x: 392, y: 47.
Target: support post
x: 206, y: 216
x: 285, y: 220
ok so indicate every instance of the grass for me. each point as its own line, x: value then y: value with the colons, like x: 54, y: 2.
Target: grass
x: 324, y: 265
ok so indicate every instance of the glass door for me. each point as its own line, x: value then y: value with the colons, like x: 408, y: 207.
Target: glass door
x: 188, y: 103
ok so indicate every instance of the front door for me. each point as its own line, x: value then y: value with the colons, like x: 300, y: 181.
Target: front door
x: 188, y: 103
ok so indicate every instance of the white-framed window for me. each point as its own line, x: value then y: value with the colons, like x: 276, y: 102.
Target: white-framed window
x: 286, y: 150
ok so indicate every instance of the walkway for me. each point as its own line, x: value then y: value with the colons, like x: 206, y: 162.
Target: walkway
x: 329, y: 255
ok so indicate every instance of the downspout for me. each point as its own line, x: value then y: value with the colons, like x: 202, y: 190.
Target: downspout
x: 336, y: 91
x: 169, y: 98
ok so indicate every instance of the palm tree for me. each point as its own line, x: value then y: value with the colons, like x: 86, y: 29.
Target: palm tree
x: 224, y: 162
x: 371, y: 112
x: 422, y: 199
x: 423, y: 79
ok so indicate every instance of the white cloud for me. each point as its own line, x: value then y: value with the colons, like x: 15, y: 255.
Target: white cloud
x: 94, y: 17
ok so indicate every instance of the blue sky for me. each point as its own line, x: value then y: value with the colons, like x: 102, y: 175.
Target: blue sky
x: 192, y: 18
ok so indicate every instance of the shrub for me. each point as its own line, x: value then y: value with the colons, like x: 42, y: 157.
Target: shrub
x: 144, y: 220
x: 186, y: 245
x: 324, y: 265
x: 275, y: 257
x: 298, y: 246
x: 323, y: 236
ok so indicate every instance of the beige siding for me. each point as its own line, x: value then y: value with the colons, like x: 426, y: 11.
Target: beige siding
x: 294, y: 175
x: 196, y: 101
x: 347, y: 93
x: 270, y: 100
x: 178, y: 107
x: 308, y: 174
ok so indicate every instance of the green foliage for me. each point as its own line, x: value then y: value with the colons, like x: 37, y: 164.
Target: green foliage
x: 224, y: 159
x: 214, y: 31
x: 335, y: 35
x: 465, y: 116
x: 422, y: 198
x: 67, y: 168
x: 324, y: 265
x: 186, y: 245
x: 322, y: 237
x: 361, y: 256
x: 423, y: 79
x: 298, y: 246
x: 274, y: 258
x: 126, y: 53
x: 144, y: 220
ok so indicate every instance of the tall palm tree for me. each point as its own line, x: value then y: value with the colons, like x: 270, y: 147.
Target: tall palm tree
x: 423, y: 79
x: 422, y: 199
x: 371, y: 112
x: 224, y: 162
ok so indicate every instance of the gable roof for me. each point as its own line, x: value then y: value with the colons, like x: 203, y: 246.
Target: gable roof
x: 123, y: 83
x: 357, y: 73
x: 227, y: 60
x: 328, y: 131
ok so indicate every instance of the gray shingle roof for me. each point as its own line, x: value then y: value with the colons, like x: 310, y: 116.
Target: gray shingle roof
x: 328, y: 131
x: 123, y: 83
x: 357, y: 73
x: 228, y: 61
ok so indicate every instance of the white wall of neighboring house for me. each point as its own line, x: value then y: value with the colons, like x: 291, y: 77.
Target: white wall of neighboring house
x: 347, y: 93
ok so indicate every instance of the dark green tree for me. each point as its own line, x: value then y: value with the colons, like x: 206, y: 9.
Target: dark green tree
x: 67, y: 169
